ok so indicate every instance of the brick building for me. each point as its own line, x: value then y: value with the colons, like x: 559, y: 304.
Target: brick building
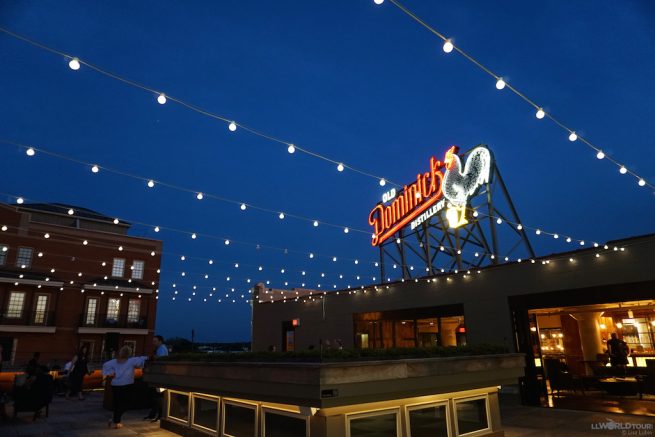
x: 70, y: 276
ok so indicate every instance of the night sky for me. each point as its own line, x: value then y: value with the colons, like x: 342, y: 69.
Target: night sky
x: 357, y: 82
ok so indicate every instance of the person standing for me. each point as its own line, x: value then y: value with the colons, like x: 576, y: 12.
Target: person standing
x: 160, y: 350
x: 121, y: 372
x: 80, y: 367
x: 618, y: 352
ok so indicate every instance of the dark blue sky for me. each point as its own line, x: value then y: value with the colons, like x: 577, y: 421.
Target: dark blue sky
x: 349, y: 79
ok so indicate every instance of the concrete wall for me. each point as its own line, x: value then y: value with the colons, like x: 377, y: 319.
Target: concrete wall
x: 484, y: 295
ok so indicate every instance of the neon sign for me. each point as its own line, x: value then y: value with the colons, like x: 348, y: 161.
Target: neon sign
x: 431, y: 193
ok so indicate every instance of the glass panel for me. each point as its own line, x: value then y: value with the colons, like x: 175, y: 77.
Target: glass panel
x: 279, y: 425
x: 179, y: 406
x: 429, y: 422
x: 40, y: 309
x: 239, y: 421
x: 118, y: 267
x: 113, y: 306
x: 91, y: 307
x: 133, y: 308
x: 137, y: 270
x: 205, y: 413
x: 471, y: 415
x: 374, y: 426
x: 15, y: 307
x: 24, y: 257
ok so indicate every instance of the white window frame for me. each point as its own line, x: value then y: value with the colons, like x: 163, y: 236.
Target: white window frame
x: 118, y: 310
x: 113, y: 268
x: 205, y: 397
x: 3, y: 254
x: 238, y: 404
x: 467, y: 399
x: 22, y: 305
x: 373, y: 413
x: 264, y: 410
x: 139, y: 271
x: 168, y: 406
x: 45, y: 310
x: 95, y: 311
x: 443, y: 403
x: 138, y: 313
x: 27, y: 264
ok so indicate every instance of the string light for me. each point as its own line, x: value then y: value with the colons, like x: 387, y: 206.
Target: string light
x: 243, y: 207
x: 30, y: 151
x: 291, y: 148
x: 71, y: 212
x: 573, y: 136
x: 378, y: 2
x: 346, y: 230
x: 641, y: 182
x: 540, y: 113
x: 600, y: 154
x: 281, y: 216
x: 95, y: 168
x: 199, y: 196
x: 448, y: 46
x: 623, y: 170
x: 232, y: 126
x: 19, y: 200
x: 74, y: 64
x: 151, y: 183
x: 500, y: 83
x: 382, y: 182
x: 161, y: 99
x: 340, y: 167
x: 116, y: 221
x: 156, y: 228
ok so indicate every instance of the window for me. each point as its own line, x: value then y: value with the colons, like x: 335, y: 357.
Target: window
x: 41, y: 309
x: 429, y: 420
x: 24, y: 257
x: 15, y: 306
x: 369, y: 424
x: 278, y: 423
x: 239, y: 419
x: 113, y: 307
x: 178, y: 405
x: 3, y: 254
x: 205, y: 412
x: 91, y: 309
x: 133, y: 309
x: 137, y: 269
x: 471, y: 415
x: 118, y: 268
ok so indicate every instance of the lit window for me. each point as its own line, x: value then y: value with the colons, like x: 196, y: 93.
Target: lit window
x: 118, y: 268
x: 137, y: 269
x: 113, y: 307
x: 4, y: 249
x: 24, y: 257
x: 91, y: 308
x: 15, y: 306
x: 133, y: 310
x: 41, y: 309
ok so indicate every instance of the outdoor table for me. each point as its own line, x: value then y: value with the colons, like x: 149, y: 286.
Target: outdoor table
x: 620, y: 386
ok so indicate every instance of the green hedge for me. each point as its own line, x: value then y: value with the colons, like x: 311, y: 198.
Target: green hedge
x: 335, y: 355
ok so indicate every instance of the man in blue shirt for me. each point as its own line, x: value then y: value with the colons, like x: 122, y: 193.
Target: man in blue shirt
x: 161, y: 350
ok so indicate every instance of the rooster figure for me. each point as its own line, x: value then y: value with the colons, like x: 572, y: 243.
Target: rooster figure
x: 458, y: 186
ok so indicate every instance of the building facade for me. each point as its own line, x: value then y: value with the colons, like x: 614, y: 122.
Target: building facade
x: 71, y: 277
x: 562, y: 307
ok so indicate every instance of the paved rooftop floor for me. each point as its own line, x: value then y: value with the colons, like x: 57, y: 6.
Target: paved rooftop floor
x: 88, y: 419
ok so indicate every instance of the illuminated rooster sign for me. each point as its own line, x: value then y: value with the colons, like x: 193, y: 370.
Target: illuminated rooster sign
x: 422, y: 199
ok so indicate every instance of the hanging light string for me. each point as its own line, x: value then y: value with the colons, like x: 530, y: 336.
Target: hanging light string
x: 540, y: 113
x: 75, y: 63
x: 31, y: 151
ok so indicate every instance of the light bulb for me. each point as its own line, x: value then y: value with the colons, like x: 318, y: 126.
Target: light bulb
x: 232, y: 126
x: 116, y: 221
x: 194, y: 236
x: 519, y: 227
x: 315, y: 223
x: 475, y: 214
x: 243, y: 207
x: 448, y: 46
x: 30, y: 151
x: 199, y: 196
x: 156, y: 228
x: 95, y: 168
x: 71, y: 212
x: 540, y: 113
x: 556, y: 236
x: 19, y: 201
x: 600, y: 154
x: 161, y: 99
x: 74, y: 64
x: 641, y: 182
x: 340, y: 167
x: 334, y: 259
x: 227, y: 242
x: 499, y: 221
x: 311, y: 255
x: 291, y: 148
x: 346, y: 230
x: 151, y: 183
x: 281, y: 216
x: 573, y: 136
x: 538, y: 231
x: 500, y: 84
x: 378, y: 2
x: 382, y: 182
